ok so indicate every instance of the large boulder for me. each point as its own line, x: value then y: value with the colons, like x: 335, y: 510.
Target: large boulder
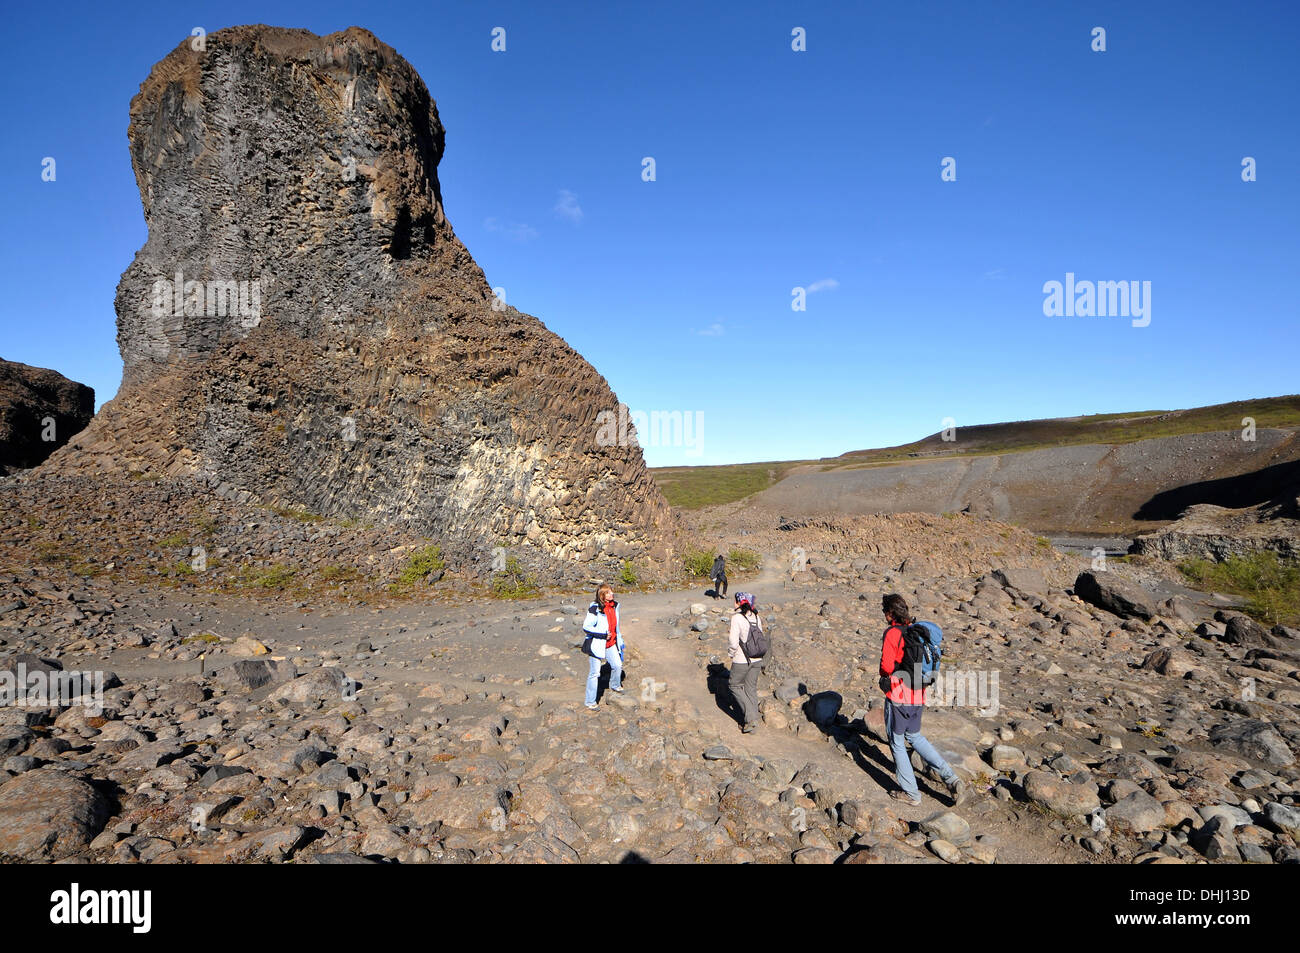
x: 1118, y: 596
x: 47, y: 815
x: 246, y: 675
x: 1137, y: 813
x: 1061, y: 796
x: 1028, y: 581
x: 1254, y: 739
x: 40, y: 411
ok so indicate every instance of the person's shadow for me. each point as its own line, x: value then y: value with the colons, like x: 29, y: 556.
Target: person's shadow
x: 879, y: 765
x: 719, y: 685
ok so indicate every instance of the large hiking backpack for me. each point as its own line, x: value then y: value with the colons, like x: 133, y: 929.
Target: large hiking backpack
x: 922, y: 649
x: 756, y: 644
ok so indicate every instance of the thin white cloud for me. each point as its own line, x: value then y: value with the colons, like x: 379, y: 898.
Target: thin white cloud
x: 515, y: 231
x: 826, y: 284
x: 714, y: 330
x: 567, y: 207
x: 996, y: 274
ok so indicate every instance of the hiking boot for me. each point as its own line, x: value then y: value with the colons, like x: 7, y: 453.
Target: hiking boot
x: 906, y: 798
x: 747, y: 729
x: 618, y: 690
x: 957, y: 788
x: 592, y: 707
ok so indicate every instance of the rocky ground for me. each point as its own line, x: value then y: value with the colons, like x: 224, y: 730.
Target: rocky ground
x: 1107, y: 717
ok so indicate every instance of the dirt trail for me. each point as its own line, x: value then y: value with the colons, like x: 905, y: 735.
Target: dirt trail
x: 866, y: 775
x: 487, y: 646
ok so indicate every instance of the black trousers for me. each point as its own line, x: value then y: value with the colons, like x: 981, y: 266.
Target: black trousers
x: 720, y: 585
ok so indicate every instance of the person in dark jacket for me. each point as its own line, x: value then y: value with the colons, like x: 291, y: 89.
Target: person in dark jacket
x: 719, y: 576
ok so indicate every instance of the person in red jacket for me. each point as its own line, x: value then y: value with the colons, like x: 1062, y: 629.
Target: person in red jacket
x: 903, y: 707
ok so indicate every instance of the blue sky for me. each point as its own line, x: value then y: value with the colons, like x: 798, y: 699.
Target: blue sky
x: 775, y: 169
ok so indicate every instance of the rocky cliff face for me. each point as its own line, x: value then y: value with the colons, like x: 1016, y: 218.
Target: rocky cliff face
x: 40, y: 410
x: 303, y: 326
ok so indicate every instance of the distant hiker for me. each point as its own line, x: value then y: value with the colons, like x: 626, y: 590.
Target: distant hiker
x: 604, y: 643
x: 748, y: 644
x: 905, y: 703
x: 719, y: 576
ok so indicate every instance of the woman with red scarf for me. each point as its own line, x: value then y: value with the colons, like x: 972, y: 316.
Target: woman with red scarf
x: 604, y: 643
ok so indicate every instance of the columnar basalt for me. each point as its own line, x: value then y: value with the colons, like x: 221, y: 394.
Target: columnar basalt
x: 303, y: 326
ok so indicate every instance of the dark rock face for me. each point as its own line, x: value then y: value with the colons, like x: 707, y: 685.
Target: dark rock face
x: 40, y: 411
x: 303, y: 326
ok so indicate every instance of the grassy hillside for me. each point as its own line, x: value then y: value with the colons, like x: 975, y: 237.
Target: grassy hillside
x: 695, y: 487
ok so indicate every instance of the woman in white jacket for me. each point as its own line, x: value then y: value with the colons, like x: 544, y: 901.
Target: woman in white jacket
x: 604, y: 643
x: 745, y: 671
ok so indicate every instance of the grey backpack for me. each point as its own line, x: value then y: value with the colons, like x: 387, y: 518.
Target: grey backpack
x: 756, y: 643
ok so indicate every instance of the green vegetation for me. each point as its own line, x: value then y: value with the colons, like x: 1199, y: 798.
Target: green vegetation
x: 695, y: 487
x: 276, y: 576
x: 174, y: 541
x: 338, y: 575
x: 627, y: 575
x: 52, y: 554
x: 417, y: 569
x: 1271, y: 586
x: 513, y: 582
x: 420, y: 564
x: 207, y: 638
x: 744, y: 559
x: 698, y: 562
x: 302, y: 516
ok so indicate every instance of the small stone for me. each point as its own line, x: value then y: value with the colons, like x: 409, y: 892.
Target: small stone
x: 945, y: 851
x: 947, y: 826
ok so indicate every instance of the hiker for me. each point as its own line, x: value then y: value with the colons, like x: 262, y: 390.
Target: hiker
x: 719, y: 576
x: 905, y: 703
x: 748, y: 649
x: 604, y: 643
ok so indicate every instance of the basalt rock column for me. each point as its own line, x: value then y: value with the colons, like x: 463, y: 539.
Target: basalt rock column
x: 303, y: 326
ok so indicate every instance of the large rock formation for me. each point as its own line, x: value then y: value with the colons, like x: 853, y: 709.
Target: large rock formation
x: 1206, y: 531
x: 303, y: 326
x: 40, y: 410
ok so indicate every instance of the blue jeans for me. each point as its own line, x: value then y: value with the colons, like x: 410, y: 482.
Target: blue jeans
x: 593, y: 672
x: 903, y: 764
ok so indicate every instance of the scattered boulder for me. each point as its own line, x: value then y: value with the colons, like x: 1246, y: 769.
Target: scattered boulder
x: 1061, y: 796
x: 48, y: 815
x: 1028, y: 581
x: 1117, y: 596
x: 1254, y: 739
x: 1137, y: 812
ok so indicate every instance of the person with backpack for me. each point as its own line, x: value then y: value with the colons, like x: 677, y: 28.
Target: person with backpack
x: 719, y: 576
x: 603, y: 643
x: 748, y: 643
x: 908, y: 663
